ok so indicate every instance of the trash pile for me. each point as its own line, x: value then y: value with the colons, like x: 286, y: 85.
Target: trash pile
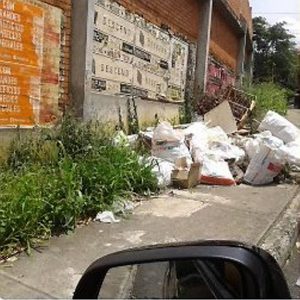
x: 240, y: 103
x: 202, y: 153
x: 196, y: 154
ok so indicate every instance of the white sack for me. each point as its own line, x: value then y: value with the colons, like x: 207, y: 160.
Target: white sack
x: 279, y: 127
x: 267, y: 163
x: 168, y: 144
x: 216, y: 172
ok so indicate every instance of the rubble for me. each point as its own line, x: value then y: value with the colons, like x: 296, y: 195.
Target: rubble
x: 185, y: 176
x: 169, y: 144
x: 279, y: 127
x: 197, y: 153
x: 221, y: 116
x: 241, y: 103
x: 266, y: 162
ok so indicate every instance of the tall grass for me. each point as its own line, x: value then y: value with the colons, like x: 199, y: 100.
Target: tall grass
x: 56, y: 177
x: 269, y: 96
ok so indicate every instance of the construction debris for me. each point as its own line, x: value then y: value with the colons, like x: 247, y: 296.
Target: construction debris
x: 266, y: 162
x: 169, y: 144
x: 241, y: 103
x: 279, y: 127
x: 221, y: 116
x: 185, y: 176
x: 198, y: 153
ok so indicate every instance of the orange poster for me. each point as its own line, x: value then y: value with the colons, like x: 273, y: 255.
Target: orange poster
x: 21, y: 62
x: 30, y: 37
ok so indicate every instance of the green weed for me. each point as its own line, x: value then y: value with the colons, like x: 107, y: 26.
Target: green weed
x: 269, y: 96
x: 56, y: 177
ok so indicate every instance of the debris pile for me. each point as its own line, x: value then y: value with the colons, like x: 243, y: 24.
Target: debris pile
x: 225, y: 158
x: 241, y: 103
x: 213, y: 151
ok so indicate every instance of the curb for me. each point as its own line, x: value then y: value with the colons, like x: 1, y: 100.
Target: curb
x: 281, y: 237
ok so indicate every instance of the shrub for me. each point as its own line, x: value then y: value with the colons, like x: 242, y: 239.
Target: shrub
x: 55, y: 177
x: 269, y: 96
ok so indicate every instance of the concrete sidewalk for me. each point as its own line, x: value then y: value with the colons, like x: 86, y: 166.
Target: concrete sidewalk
x: 293, y: 116
x: 242, y: 213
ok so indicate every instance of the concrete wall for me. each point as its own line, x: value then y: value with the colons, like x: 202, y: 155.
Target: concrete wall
x: 183, y: 19
x: 93, y: 105
x: 107, y: 109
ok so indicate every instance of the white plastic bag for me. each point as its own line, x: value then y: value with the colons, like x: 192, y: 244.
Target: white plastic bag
x: 198, y: 130
x: 216, y: 172
x: 291, y: 152
x: 162, y: 170
x: 252, y: 145
x: 226, y: 151
x: 267, y: 163
x: 199, y: 140
x: 216, y: 134
x: 165, y: 131
x: 168, y: 144
x: 121, y: 139
x: 280, y: 127
x: 106, y: 217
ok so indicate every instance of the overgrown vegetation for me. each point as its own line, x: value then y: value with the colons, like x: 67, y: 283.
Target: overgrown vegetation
x: 56, y: 177
x: 269, y: 96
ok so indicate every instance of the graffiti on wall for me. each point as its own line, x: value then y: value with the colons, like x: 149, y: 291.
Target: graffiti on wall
x: 131, y: 56
x: 29, y: 63
x: 219, y: 77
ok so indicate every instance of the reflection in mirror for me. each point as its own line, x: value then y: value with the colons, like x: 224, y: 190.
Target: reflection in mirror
x: 192, y: 279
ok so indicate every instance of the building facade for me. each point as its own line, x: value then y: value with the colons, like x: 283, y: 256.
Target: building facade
x: 161, y: 52
x: 91, y: 55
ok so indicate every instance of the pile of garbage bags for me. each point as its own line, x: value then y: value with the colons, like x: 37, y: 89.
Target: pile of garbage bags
x: 224, y: 159
x: 210, y: 147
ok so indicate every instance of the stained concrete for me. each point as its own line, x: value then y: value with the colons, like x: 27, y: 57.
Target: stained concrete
x: 238, y: 213
x: 106, y: 109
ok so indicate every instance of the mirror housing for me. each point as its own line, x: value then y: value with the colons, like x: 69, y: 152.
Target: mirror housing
x: 269, y: 279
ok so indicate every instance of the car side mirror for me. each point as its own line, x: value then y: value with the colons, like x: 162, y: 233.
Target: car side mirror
x: 211, y: 269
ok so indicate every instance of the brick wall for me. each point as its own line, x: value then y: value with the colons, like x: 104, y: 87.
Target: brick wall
x: 182, y: 16
x: 66, y: 6
x: 225, y: 42
x: 242, y: 8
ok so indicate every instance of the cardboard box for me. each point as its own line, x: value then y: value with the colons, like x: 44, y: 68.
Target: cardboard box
x: 184, y: 177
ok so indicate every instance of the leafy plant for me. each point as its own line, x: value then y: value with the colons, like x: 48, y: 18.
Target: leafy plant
x: 269, y: 96
x: 56, y: 177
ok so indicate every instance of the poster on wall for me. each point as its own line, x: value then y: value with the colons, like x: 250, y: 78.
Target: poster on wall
x: 132, y: 56
x: 219, y: 77
x: 29, y: 63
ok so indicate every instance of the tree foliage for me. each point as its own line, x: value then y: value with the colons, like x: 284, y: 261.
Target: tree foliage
x: 274, y: 53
